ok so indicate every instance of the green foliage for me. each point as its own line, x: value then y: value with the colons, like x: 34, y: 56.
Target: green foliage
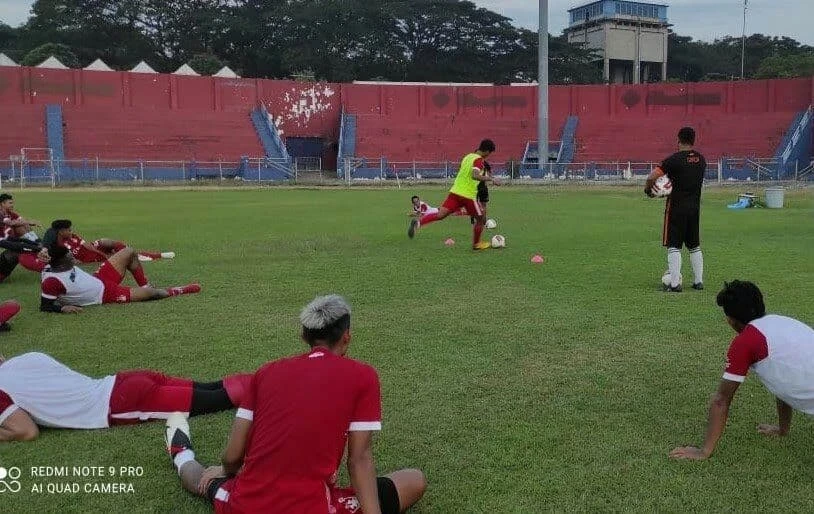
x: 43, y: 52
x: 563, y: 390
x: 206, y: 64
x: 787, y: 66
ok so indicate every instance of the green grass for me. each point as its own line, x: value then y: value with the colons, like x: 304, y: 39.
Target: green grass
x: 517, y: 388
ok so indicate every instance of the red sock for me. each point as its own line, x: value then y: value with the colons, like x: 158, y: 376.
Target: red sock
x: 187, y: 289
x: 428, y: 218
x: 118, y: 246
x: 8, y: 310
x: 477, y: 230
x: 152, y: 255
x: 29, y: 261
x: 138, y: 275
x: 236, y: 387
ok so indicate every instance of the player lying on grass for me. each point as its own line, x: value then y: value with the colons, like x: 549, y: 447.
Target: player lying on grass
x: 463, y: 194
x: 8, y: 310
x: 13, y: 224
x: 67, y: 288
x: 297, y: 418
x: 421, y: 208
x: 778, y: 349
x: 61, y: 233
x: 37, y: 390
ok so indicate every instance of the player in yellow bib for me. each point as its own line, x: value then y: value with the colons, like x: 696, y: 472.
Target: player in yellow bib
x: 463, y: 194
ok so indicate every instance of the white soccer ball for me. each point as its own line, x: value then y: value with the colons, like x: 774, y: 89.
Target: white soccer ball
x: 490, y: 223
x: 498, y: 241
x: 662, y: 187
x: 665, y: 279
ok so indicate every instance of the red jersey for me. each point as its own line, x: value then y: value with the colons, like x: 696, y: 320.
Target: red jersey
x: 8, y: 217
x: 76, y: 245
x: 302, y: 410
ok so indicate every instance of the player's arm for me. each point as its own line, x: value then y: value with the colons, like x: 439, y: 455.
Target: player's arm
x: 784, y: 414
x: 362, y: 470
x: 716, y: 423
x: 20, y: 222
x: 93, y: 249
x: 52, y: 289
x: 15, y: 423
x: 232, y: 458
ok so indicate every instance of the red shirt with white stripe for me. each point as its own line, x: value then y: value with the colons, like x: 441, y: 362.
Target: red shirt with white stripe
x: 53, y: 394
x: 73, y: 287
x: 302, y: 410
x: 780, y: 351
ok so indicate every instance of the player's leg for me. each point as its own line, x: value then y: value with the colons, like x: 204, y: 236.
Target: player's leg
x: 179, y: 445
x: 693, y: 240
x: 31, y: 262
x: 109, y: 246
x: 127, y: 260
x: 148, y: 294
x: 8, y: 261
x: 449, y: 205
x: 474, y: 210
x: 409, y: 485
x: 218, y: 396
x: 8, y: 310
x: 672, y: 239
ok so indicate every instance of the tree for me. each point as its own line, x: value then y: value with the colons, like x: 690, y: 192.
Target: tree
x: 205, y: 64
x: 787, y: 66
x: 43, y: 52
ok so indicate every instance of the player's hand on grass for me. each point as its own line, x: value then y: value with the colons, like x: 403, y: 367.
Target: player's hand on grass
x: 688, y: 453
x: 211, y: 473
x: 71, y: 309
x: 771, y: 430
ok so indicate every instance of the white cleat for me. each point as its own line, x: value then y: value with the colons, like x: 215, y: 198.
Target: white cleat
x: 177, y: 435
x: 144, y: 258
x: 168, y: 255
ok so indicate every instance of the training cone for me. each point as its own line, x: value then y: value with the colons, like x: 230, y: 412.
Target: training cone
x: 537, y: 259
x: 449, y: 242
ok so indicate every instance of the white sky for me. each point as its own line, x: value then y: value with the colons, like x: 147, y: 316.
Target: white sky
x: 701, y: 19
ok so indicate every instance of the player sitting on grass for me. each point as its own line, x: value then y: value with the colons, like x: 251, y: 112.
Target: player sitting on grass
x: 463, y: 194
x: 297, y: 418
x: 36, y: 389
x: 778, y: 349
x: 13, y: 224
x: 22, y: 251
x: 61, y: 233
x: 67, y: 288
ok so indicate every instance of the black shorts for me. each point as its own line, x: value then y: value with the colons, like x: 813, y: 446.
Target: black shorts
x: 681, y: 226
x: 388, y: 494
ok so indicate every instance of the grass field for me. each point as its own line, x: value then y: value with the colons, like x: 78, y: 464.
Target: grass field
x: 517, y: 388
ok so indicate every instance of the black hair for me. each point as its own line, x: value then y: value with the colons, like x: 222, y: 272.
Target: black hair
x: 331, y: 333
x: 414, y: 197
x: 5, y: 196
x: 61, y: 224
x: 57, y: 253
x: 686, y: 136
x: 487, y: 145
x: 741, y: 301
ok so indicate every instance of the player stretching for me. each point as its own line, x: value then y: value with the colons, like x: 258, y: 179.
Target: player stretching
x: 292, y: 428
x: 463, y: 194
x: 778, y: 349
x: 67, y: 288
x: 14, y: 225
x: 682, y: 212
x: 98, y: 251
x: 35, y: 389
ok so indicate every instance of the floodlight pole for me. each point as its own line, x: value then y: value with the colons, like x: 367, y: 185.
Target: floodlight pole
x: 542, y: 89
x: 743, y: 40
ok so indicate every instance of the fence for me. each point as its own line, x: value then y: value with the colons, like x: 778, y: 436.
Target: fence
x: 22, y: 171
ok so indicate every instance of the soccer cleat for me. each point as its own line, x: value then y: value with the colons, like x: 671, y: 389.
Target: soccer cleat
x: 414, y: 224
x: 144, y: 258
x: 168, y: 255
x: 177, y: 435
x: 483, y: 245
x: 676, y: 289
x: 699, y: 286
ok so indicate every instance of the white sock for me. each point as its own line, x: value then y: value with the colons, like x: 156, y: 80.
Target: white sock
x: 182, y: 458
x: 674, y: 265
x: 697, y: 261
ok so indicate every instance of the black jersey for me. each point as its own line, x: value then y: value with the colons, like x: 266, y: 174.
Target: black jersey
x: 686, y: 171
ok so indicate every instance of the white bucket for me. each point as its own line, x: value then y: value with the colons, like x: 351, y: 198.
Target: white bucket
x: 774, y: 197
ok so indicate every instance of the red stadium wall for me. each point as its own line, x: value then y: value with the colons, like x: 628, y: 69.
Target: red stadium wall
x: 399, y: 121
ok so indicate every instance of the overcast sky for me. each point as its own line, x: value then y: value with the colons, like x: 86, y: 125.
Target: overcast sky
x: 701, y: 19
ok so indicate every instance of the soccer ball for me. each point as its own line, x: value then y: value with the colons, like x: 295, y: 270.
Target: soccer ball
x: 662, y: 187
x: 665, y: 279
x: 490, y: 223
x: 498, y: 241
